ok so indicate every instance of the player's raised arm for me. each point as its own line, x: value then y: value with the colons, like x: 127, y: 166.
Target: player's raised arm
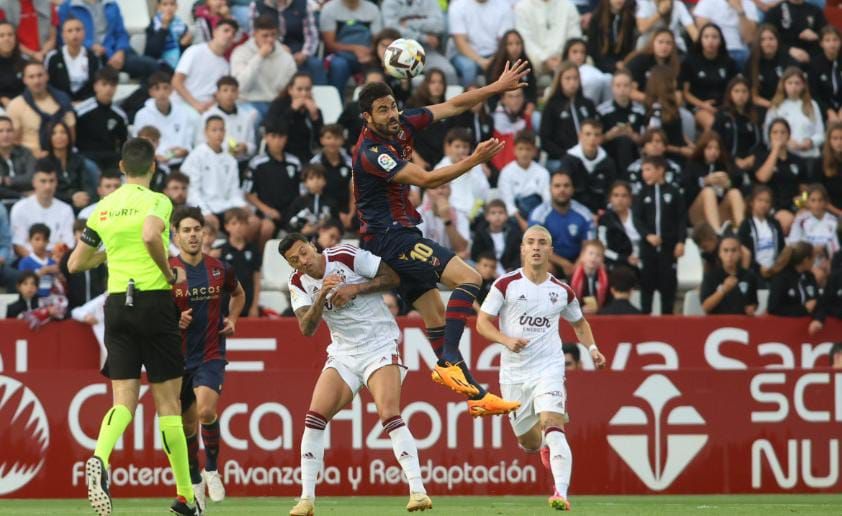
x: 511, y: 79
x: 583, y: 332
x: 412, y: 174
x: 385, y: 279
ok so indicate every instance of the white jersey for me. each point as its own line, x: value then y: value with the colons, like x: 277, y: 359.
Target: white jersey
x: 365, y: 323
x: 818, y: 232
x: 531, y: 311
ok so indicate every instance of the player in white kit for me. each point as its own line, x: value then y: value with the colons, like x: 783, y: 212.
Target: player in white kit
x: 343, y: 286
x: 529, y: 302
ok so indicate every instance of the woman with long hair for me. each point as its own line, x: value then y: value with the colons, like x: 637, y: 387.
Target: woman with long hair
x: 831, y: 176
x: 729, y: 289
x: 825, y: 76
x: 429, y: 143
x: 619, y: 230
x: 766, y: 65
x: 11, y: 64
x: 296, y: 106
x: 659, y: 51
x: 510, y: 50
x: 818, y: 227
x: 705, y: 73
x: 736, y: 123
x: 793, y: 102
x: 793, y: 292
x: 612, y: 34
x: 711, y: 187
x: 761, y: 235
x: 671, y: 15
x: 70, y: 166
x: 662, y: 103
x: 565, y: 110
x: 596, y: 84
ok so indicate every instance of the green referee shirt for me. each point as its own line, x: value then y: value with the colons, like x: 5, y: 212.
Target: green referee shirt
x: 118, y: 221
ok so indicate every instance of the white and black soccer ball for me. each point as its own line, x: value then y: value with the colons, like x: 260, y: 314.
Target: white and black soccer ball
x: 404, y: 58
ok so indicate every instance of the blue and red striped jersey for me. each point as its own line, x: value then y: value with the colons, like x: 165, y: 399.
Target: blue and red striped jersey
x: 207, y: 291
x: 382, y: 203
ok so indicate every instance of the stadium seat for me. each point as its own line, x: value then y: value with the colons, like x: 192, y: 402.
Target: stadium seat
x: 692, y: 303
x: 274, y: 300
x: 136, y: 18
x: 328, y: 100
x: 690, y: 267
x: 656, y: 301
x: 276, y: 271
x: 5, y: 301
x: 453, y: 90
x: 762, y: 301
x: 185, y: 12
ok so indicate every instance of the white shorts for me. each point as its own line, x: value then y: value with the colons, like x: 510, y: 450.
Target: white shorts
x: 356, y: 370
x: 545, y: 394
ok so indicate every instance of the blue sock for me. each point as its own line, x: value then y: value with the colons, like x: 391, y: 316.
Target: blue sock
x: 436, y: 338
x: 460, y: 306
x: 210, y: 437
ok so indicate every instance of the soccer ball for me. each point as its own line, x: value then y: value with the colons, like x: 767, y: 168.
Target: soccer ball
x: 404, y: 58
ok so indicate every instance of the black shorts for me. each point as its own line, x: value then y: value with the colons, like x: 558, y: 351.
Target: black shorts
x: 145, y: 334
x: 209, y: 374
x: 418, y: 261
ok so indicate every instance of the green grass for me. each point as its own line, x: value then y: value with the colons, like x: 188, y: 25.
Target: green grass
x: 474, y: 505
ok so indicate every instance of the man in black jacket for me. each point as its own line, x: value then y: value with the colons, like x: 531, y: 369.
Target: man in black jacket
x: 591, y: 168
x: 17, y: 164
x: 72, y: 67
x: 102, y: 128
x: 622, y: 280
x: 500, y: 236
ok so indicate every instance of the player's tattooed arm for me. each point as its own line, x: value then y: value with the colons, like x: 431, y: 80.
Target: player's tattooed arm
x: 309, y: 318
x: 385, y: 279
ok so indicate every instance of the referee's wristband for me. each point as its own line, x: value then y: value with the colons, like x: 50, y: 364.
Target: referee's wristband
x: 593, y: 348
x: 174, y: 277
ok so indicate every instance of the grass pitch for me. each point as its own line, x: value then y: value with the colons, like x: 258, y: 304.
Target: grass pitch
x: 473, y: 505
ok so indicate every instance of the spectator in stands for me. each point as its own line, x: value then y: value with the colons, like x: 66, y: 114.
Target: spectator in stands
x: 798, y: 22
x: 310, y: 210
x: 705, y: 72
x: 830, y: 304
x: 729, y: 288
x: 109, y: 181
x: 499, y: 237
x: 612, y: 34
x: 348, y: 28
x: 39, y: 260
x: 214, y: 176
x: 662, y: 213
x: 69, y: 166
x: 766, y: 65
x: 262, y: 65
x: 479, y: 122
x: 36, y: 28
x: 572, y: 357
x: 207, y: 15
x: 167, y: 35
x: 545, y: 26
x: 663, y: 111
x: 761, y: 235
x: 654, y: 145
x: 476, y: 27
x: 429, y: 143
x: 329, y: 235
x: 486, y: 265
x: 707, y: 241
x: 711, y: 185
x: 176, y: 187
x: 82, y: 287
x: 106, y: 35
x: 27, y: 285
x: 72, y: 67
x: 831, y: 174
x: 240, y: 120
x: 43, y: 207
x: 566, y: 107
x: 297, y: 107
x: 621, y: 280
x: 201, y: 66
x: 567, y: 226
x: 11, y: 64
x: 737, y: 19
x: 673, y: 16
x: 825, y: 77
x: 337, y: 164
x: 274, y: 180
x: 298, y: 33
x: 245, y: 259
x: 592, y: 170
x: 423, y: 21
x: 8, y: 274
x: 36, y: 107
x: 102, y: 127
x: 17, y: 164
x: 794, y: 103
x: 351, y: 118
x: 660, y: 50
x: 783, y: 171
x: 511, y: 49
x: 524, y: 183
x: 510, y: 118
x: 596, y: 84
x: 162, y: 168
x: 468, y: 192
x: 736, y: 123
x: 818, y: 227
x: 590, y: 277
x: 793, y: 292
x: 174, y: 120
x: 619, y: 230
x: 622, y: 121
x: 442, y: 223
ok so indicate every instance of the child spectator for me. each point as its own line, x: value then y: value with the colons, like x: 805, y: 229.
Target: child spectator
x: 660, y: 208
x: 27, y: 285
x: 621, y: 280
x: 298, y: 31
x: 622, y: 121
x: 351, y: 117
x: 664, y: 112
x: 72, y: 67
x: 240, y: 120
x: 654, y: 145
x: 766, y: 65
x: 590, y: 278
x: 510, y: 117
x: 201, y: 66
x: 793, y: 102
x: 102, y: 128
x: 297, y: 107
x: 660, y: 50
x: 511, y: 50
x: 337, y: 165
x: 167, y: 36
x: 736, y: 124
x: 596, y: 84
x: 707, y: 240
x: 817, y: 227
x: 831, y: 174
x: 619, y: 230
x: 523, y: 183
x: 175, y: 122
x: 489, y: 271
x: 429, y: 143
x: 830, y: 304
x: 761, y: 235
x: 207, y: 16
x: 109, y: 181
x: 793, y: 292
x: 711, y: 185
x: 798, y: 22
x: 468, y: 192
x: 308, y: 211
x: 162, y: 168
x: 612, y: 34
x: 565, y: 109
x: 499, y: 237
x: 729, y: 288
x: 670, y: 15
x: 825, y: 77
x: 243, y: 257
x: 329, y: 235
x: 274, y: 181
x: 442, y: 223
x: 39, y: 260
x: 593, y: 171
x: 737, y: 19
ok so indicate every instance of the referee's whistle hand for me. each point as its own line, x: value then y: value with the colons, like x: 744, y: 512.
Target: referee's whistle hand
x: 186, y: 319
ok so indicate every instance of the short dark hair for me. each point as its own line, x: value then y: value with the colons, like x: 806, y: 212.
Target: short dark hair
x: 703, y: 231
x: 39, y: 229
x: 486, y: 255
x: 655, y: 161
x: 214, y: 118
x: 573, y: 349
x: 561, y: 172
x: 5, y: 118
x: 332, y: 223
x: 593, y: 122
x: 333, y: 129
x: 79, y: 225
x: 159, y: 77
x: 526, y: 137
x: 150, y: 132
x: 228, y: 21
x: 138, y: 157
x: 27, y: 64
x: 265, y: 22
x: 72, y: 18
x: 238, y: 214
x: 496, y: 203
x: 277, y: 126
x: 26, y: 275
x: 108, y: 174
x: 313, y: 170
x: 177, y: 177
x: 107, y: 75
x: 622, y: 279
x: 45, y: 166
x: 186, y: 212
x: 287, y: 242
x: 227, y: 80
x: 458, y: 134
x: 371, y: 92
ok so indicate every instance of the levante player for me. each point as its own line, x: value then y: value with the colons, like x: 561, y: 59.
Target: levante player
x: 383, y: 174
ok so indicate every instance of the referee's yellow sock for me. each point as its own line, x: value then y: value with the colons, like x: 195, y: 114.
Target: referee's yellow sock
x: 175, y: 446
x: 113, y: 425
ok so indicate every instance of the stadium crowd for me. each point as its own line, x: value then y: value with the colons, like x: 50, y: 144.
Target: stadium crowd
x: 643, y: 122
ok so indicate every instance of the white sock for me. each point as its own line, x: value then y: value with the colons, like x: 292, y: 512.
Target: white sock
x: 312, y: 453
x: 405, y: 451
x: 561, y: 458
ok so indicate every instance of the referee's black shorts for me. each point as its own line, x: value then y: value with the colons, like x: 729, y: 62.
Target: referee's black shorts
x: 145, y: 334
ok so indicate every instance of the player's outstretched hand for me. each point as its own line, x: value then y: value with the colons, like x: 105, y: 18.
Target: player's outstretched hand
x: 515, y: 344
x: 488, y: 149
x: 228, y: 327
x: 186, y: 319
x: 513, y: 76
x: 598, y: 359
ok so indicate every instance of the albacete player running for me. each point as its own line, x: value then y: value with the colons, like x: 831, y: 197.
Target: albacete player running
x: 204, y: 326
x: 529, y: 302
x: 382, y: 174
x: 342, y: 285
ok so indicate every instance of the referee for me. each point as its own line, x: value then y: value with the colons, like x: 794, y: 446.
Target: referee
x: 141, y: 319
